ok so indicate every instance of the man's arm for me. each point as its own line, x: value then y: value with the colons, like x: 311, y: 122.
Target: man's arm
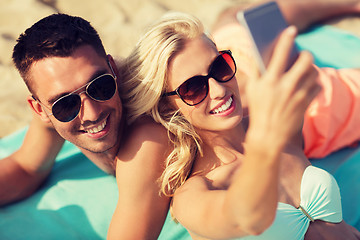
x: 23, y: 171
x: 141, y: 210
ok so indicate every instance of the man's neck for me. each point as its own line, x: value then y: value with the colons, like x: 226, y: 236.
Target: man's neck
x: 106, y: 161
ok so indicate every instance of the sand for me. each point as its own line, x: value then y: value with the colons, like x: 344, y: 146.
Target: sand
x: 119, y: 22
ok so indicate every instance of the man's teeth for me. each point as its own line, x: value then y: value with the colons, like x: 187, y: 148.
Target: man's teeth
x: 97, y: 129
x: 224, y: 107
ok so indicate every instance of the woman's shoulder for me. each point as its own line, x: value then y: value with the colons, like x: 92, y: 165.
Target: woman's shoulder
x: 194, y: 185
x: 218, y: 178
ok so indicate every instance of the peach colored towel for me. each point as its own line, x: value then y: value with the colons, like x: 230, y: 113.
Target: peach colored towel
x: 333, y: 118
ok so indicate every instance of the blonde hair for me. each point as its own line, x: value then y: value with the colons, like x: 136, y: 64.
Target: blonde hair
x: 145, y: 78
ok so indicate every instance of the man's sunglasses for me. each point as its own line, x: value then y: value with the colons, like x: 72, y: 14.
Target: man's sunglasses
x: 194, y: 90
x: 67, y: 108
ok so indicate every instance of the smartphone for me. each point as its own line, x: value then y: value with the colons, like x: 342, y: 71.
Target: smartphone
x: 264, y: 24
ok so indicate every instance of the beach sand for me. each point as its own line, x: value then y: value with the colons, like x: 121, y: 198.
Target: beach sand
x: 119, y: 23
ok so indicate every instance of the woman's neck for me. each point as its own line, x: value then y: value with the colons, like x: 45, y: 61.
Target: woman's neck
x: 221, y: 147
x: 233, y: 137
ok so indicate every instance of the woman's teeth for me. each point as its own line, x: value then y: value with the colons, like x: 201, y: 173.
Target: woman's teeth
x: 223, y: 107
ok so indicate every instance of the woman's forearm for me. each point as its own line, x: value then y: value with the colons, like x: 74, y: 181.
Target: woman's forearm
x: 253, y: 195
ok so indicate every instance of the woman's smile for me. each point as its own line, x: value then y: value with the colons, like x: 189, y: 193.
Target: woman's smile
x: 225, y: 108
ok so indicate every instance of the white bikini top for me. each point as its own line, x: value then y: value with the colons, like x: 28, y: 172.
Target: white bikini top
x: 320, y: 199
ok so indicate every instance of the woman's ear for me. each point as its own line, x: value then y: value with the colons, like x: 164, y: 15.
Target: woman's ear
x: 38, y: 109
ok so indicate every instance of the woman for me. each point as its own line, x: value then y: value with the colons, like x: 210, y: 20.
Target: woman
x: 231, y: 177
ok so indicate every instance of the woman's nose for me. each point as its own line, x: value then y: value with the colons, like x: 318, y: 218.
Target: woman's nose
x: 216, y: 89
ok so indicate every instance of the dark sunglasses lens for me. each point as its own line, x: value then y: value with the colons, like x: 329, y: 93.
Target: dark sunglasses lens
x: 223, y: 68
x: 102, y: 88
x: 194, y: 90
x: 67, y: 108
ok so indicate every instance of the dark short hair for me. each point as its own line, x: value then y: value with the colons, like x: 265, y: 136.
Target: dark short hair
x: 57, y: 35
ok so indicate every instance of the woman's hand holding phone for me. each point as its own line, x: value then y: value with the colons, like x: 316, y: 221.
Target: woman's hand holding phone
x: 279, y: 98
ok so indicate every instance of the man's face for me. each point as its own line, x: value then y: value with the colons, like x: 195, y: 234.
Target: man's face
x: 97, y: 126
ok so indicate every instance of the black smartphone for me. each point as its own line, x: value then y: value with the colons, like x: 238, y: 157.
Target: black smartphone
x: 264, y: 24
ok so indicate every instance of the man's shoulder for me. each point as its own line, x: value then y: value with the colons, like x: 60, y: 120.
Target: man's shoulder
x: 146, y: 128
x: 145, y: 140
x: 143, y: 134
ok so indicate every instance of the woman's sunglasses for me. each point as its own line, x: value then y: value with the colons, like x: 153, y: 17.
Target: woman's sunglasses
x: 67, y: 108
x: 194, y: 90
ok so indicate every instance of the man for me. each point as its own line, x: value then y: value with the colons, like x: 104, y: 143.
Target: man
x: 73, y: 86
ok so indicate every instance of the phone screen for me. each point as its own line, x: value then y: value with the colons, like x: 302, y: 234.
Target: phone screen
x: 265, y: 23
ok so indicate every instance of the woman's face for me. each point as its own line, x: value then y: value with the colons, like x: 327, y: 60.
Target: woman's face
x: 221, y: 109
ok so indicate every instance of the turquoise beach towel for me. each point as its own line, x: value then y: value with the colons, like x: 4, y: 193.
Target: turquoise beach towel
x: 78, y: 199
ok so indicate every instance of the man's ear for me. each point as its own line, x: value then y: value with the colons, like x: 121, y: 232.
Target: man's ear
x: 38, y: 109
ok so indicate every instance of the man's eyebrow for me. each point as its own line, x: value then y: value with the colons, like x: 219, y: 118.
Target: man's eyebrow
x: 95, y: 75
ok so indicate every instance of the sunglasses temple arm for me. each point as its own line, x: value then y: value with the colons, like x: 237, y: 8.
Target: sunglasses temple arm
x: 169, y: 94
x: 111, y: 68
